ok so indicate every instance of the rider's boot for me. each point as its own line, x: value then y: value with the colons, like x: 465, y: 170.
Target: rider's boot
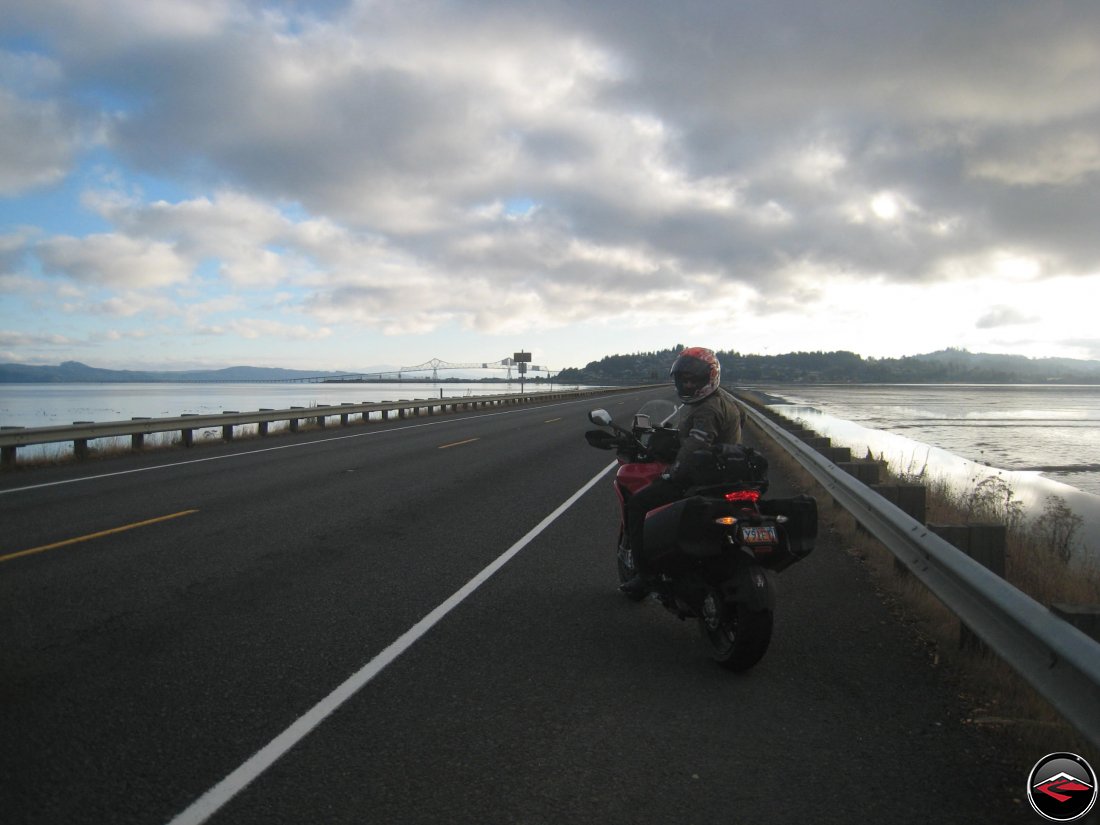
x: 639, y: 585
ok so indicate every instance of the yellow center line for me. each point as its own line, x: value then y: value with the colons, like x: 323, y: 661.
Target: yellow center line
x: 551, y: 420
x: 91, y: 536
x: 457, y: 444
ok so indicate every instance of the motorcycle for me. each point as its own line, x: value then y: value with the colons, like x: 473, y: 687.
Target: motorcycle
x: 714, y: 551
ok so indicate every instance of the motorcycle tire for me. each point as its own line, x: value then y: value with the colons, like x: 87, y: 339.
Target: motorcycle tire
x: 624, y: 557
x: 737, y: 637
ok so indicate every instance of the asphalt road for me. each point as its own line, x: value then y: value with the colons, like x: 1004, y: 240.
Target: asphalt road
x: 143, y: 668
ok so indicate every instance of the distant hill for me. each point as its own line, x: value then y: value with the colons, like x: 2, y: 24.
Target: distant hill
x: 944, y: 367
x: 75, y: 372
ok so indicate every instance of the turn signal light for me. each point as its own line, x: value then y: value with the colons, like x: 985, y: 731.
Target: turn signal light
x: 727, y: 521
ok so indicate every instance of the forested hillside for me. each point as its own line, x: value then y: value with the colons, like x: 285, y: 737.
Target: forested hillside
x: 947, y: 366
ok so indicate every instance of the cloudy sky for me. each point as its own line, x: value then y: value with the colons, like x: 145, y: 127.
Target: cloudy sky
x: 337, y: 184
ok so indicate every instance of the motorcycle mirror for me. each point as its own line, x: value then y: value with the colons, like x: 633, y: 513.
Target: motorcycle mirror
x: 601, y: 417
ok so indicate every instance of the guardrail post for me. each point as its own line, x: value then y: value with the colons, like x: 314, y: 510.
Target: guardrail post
x: 869, y: 472
x: 227, y: 429
x: 985, y: 543
x: 137, y: 440
x: 7, y: 454
x: 80, y: 445
x: 911, y: 499
x: 294, y: 421
x: 187, y: 435
x: 1085, y: 617
x: 837, y: 455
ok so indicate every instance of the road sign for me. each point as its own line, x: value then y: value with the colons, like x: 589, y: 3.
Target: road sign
x: 522, y: 358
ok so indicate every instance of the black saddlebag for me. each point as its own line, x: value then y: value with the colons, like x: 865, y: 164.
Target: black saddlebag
x: 797, y: 535
x: 724, y: 464
x: 681, y: 532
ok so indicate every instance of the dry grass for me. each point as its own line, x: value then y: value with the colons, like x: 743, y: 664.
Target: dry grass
x: 1042, y: 557
x: 997, y: 695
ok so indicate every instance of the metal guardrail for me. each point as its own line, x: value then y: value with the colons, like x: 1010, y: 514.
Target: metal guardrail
x: 1059, y: 661
x: 80, y: 433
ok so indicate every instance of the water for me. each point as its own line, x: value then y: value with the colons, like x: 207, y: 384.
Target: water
x: 1042, y: 440
x: 44, y: 405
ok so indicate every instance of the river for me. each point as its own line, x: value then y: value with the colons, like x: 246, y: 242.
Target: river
x: 1042, y: 440
x: 44, y: 405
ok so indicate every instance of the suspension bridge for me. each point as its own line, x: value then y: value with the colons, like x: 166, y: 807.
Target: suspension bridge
x: 433, y: 366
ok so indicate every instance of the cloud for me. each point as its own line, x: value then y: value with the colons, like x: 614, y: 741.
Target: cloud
x: 1068, y: 158
x: 257, y: 328
x: 410, y: 167
x: 91, y: 32
x: 37, y: 144
x: 115, y: 261
x: 1004, y: 316
x: 22, y: 339
x: 126, y: 305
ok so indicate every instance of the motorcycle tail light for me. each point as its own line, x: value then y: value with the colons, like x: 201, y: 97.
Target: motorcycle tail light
x: 727, y: 521
x: 743, y: 495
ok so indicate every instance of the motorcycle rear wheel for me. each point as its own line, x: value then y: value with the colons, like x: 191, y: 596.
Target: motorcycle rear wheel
x: 736, y: 637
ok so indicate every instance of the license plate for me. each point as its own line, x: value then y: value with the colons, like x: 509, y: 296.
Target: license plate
x: 759, y: 535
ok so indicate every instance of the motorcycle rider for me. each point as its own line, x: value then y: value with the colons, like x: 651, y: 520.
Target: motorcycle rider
x: 709, y: 416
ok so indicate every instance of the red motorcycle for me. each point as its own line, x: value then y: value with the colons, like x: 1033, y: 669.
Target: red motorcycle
x: 714, y: 550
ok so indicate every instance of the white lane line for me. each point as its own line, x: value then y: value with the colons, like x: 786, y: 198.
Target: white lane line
x: 214, y: 799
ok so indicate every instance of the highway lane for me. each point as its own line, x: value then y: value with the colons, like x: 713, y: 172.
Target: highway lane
x: 142, y: 667
x: 167, y: 644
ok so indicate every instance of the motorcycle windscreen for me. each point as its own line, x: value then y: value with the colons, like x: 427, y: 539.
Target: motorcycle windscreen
x: 660, y: 412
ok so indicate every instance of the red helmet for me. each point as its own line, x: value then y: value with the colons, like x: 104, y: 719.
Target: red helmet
x: 696, y: 374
